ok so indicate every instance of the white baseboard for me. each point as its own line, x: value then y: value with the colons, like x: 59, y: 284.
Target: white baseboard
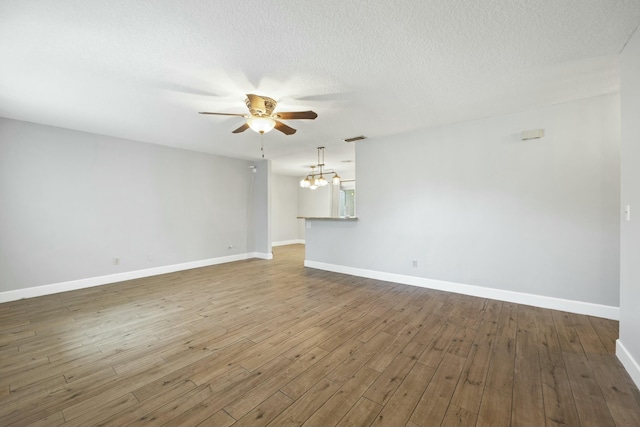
x: 289, y: 242
x: 89, y: 282
x: 579, y: 307
x: 262, y: 255
x: 629, y: 363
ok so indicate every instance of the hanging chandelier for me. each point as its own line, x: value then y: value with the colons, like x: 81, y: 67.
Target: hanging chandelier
x: 316, y: 179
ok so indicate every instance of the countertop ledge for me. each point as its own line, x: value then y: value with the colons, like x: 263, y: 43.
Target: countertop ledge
x: 331, y: 218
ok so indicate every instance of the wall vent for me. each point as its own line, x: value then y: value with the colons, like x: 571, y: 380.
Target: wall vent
x: 532, y: 134
x: 355, y: 138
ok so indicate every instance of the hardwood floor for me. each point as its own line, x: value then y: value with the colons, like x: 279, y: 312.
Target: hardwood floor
x: 272, y: 343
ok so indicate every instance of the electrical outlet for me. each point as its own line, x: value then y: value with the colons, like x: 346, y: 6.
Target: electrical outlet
x: 149, y: 257
x: 415, y: 263
x: 116, y: 261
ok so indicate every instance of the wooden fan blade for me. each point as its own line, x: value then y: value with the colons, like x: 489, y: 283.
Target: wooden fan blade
x: 284, y: 128
x: 295, y: 115
x: 224, y: 114
x: 241, y: 128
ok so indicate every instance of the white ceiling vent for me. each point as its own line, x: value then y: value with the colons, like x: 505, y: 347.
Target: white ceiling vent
x: 532, y: 134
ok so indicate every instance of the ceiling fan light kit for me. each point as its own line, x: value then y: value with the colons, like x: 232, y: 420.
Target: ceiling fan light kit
x: 261, y: 124
x: 315, y: 180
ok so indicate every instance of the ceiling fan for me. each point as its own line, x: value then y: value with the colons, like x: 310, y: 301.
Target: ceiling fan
x: 261, y: 117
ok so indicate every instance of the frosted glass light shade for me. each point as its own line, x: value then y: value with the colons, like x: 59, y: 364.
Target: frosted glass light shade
x: 261, y: 124
x: 306, y: 183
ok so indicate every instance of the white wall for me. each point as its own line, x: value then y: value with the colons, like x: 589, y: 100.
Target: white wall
x: 314, y: 203
x: 71, y: 201
x: 284, y: 205
x: 261, y: 208
x: 475, y: 205
x: 629, y: 343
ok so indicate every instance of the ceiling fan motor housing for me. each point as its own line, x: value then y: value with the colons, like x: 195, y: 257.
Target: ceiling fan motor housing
x: 260, y: 105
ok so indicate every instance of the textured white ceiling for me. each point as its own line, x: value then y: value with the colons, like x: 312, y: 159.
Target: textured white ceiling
x: 142, y: 70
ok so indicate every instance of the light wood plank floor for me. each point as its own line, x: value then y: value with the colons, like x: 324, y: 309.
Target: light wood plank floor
x: 272, y: 343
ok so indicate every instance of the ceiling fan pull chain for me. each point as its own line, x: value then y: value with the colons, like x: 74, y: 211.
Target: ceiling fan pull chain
x: 262, y: 144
